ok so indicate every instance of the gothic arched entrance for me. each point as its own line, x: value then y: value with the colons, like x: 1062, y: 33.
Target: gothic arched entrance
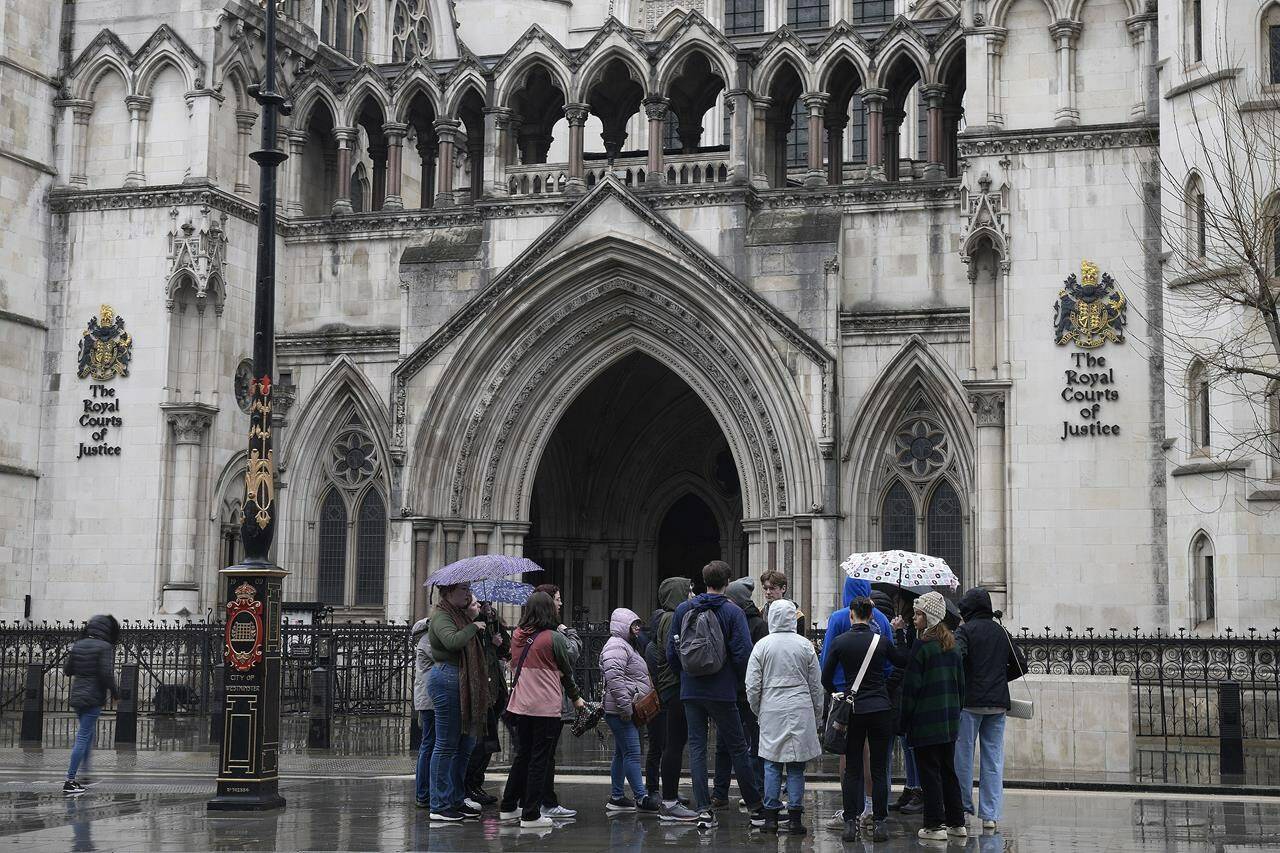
x: 627, y: 490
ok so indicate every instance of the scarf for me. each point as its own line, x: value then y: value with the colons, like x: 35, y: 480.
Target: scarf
x: 473, y: 677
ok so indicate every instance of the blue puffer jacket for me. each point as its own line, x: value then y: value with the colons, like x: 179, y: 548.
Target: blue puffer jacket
x: 840, y: 622
x: 720, y: 686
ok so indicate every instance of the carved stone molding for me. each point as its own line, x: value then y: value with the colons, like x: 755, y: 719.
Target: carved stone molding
x: 337, y: 341
x: 198, y: 251
x: 189, y: 421
x: 63, y: 200
x: 925, y: 323
x: 988, y: 405
x: 1085, y: 138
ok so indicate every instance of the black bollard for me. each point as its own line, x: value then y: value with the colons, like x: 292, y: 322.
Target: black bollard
x: 33, y: 705
x: 320, y: 722
x: 217, y: 716
x: 127, y: 707
x: 1230, y: 731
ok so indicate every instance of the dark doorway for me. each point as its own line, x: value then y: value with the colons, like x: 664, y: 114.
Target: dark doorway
x: 688, y: 539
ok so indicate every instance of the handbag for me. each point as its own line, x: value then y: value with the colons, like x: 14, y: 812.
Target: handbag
x: 835, y: 734
x: 645, y: 708
x: 507, y: 716
x: 1019, y: 709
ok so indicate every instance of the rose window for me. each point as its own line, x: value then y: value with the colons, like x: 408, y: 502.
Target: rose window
x: 355, y: 457
x: 921, y: 448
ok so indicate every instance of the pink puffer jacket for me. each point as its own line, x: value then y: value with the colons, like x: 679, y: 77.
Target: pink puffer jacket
x: 625, y: 675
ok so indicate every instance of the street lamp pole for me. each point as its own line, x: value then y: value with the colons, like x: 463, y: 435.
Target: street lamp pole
x: 248, y: 763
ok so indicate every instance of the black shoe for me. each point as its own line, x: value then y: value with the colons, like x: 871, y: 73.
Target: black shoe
x: 649, y: 805
x: 719, y: 802
x: 852, y: 831
x: 72, y: 788
x: 881, y: 832
x: 903, y: 799
x: 793, y: 825
x: 760, y: 815
x: 916, y: 804
x: 483, y: 797
x: 448, y: 816
x: 770, y: 821
x: 468, y: 812
x: 707, y: 819
x: 620, y: 805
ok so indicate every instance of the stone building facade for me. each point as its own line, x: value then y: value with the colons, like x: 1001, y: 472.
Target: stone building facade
x: 622, y: 287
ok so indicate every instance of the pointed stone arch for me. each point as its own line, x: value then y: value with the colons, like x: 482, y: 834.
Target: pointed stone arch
x: 999, y: 10
x: 612, y: 42
x: 695, y: 35
x: 367, y: 84
x: 916, y: 382
x: 784, y: 48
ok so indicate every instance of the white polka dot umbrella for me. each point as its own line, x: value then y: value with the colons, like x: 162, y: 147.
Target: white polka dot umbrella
x: 904, y: 568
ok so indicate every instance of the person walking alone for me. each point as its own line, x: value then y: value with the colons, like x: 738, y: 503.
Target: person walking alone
x: 459, y: 688
x: 91, y: 664
x: 932, y: 692
x: 990, y: 662
x: 542, y: 675
x: 711, y: 635
x: 784, y: 689
x: 669, y: 731
x: 626, y: 679
x: 422, y: 663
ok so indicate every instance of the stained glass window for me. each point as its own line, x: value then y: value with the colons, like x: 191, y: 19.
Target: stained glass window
x: 371, y: 549
x: 331, y: 569
x: 898, y: 519
x: 944, y: 526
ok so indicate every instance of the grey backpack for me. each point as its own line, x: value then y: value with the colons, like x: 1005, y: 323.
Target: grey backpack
x: 701, y: 642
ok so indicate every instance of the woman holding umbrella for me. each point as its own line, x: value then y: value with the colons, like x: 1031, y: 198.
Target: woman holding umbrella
x: 459, y: 690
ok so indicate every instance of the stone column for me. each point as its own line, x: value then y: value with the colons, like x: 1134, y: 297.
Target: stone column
x: 1142, y: 36
x: 496, y: 146
x: 378, y: 180
x: 138, y: 106
x: 576, y: 114
x: 447, y: 133
x: 244, y: 128
x: 656, y: 110
x: 1065, y: 36
x: 935, y: 166
x: 873, y: 100
x: 816, y: 103
x: 893, y: 119
x: 513, y: 534
x: 951, y: 116
x: 77, y: 155
x: 453, y: 531
x: 737, y: 103
x: 421, y: 569
x: 427, y: 158
x: 201, y: 108
x: 297, y: 141
x: 475, y: 160
x: 481, y: 531
x: 395, y: 132
x: 346, y: 137
x: 995, y: 50
x: 989, y: 403
x: 759, y: 143
x: 835, y: 148
x: 188, y: 423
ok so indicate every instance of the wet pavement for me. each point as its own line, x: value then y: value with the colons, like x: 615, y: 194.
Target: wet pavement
x: 163, y: 812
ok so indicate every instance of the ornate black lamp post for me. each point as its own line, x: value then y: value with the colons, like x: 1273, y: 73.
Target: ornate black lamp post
x: 248, y: 763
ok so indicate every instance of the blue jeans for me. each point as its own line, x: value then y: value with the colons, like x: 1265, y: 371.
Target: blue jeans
x: 773, y: 772
x: 909, y: 763
x: 452, y: 748
x: 422, y: 776
x: 84, y: 738
x: 988, y: 730
x: 626, y: 758
x: 728, y: 726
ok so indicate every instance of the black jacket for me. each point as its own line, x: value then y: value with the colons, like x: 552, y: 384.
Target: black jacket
x: 91, y: 664
x: 848, y: 651
x: 985, y: 647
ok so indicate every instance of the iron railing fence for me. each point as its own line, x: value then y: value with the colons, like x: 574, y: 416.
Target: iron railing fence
x: 1175, y: 678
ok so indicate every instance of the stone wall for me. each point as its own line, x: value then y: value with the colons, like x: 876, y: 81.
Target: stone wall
x: 1082, y: 724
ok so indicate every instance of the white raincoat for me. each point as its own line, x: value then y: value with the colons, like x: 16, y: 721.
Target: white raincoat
x: 784, y: 687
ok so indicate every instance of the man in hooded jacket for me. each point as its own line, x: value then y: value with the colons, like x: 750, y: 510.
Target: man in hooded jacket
x: 91, y: 664
x: 739, y: 592
x: 668, y: 731
x: 991, y: 661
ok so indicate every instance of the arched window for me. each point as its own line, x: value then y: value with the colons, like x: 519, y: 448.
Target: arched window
x: 807, y: 14
x: 1197, y: 218
x: 1199, y: 411
x: 944, y: 527
x: 1202, y: 579
x: 743, y: 16
x: 871, y: 11
x: 331, y: 567
x: 1271, y: 45
x: 410, y: 31
x: 898, y: 519
x: 1194, y: 31
x: 857, y: 130
x: 371, y: 550
x: 353, y: 523
x: 358, y: 39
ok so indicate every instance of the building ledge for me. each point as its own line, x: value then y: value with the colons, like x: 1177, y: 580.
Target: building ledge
x: 1265, y: 495
x: 1209, y: 468
x: 1039, y: 140
x: 22, y: 320
x: 1202, y: 81
x: 19, y: 471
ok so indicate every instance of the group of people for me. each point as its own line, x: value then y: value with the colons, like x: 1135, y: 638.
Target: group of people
x: 908, y: 680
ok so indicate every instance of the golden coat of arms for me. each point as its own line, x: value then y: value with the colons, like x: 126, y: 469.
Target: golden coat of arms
x: 105, y: 347
x: 1089, y: 311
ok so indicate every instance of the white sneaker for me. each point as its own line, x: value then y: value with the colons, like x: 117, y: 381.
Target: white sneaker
x: 511, y: 815
x: 472, y: 804
x: 836, y: 821
x: 935, y: 834
x: 537, y: 823
x: 558, y: 812
x: 960, y: 831
x: 988, y: 826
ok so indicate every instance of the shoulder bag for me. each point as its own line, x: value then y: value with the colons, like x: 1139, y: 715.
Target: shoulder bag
x: 507, y: 716
x: 1020, y: 709
x: 645, y: 708
x: 835, y: 734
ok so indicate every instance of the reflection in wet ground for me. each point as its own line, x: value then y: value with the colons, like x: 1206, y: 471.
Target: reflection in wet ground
x: 137, y: 813
x: 384, y: 742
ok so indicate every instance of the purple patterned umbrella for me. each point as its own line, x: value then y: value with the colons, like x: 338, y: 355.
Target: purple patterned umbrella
x: 482, y: 567
x: 903, y: 568
x: 502, y: 591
